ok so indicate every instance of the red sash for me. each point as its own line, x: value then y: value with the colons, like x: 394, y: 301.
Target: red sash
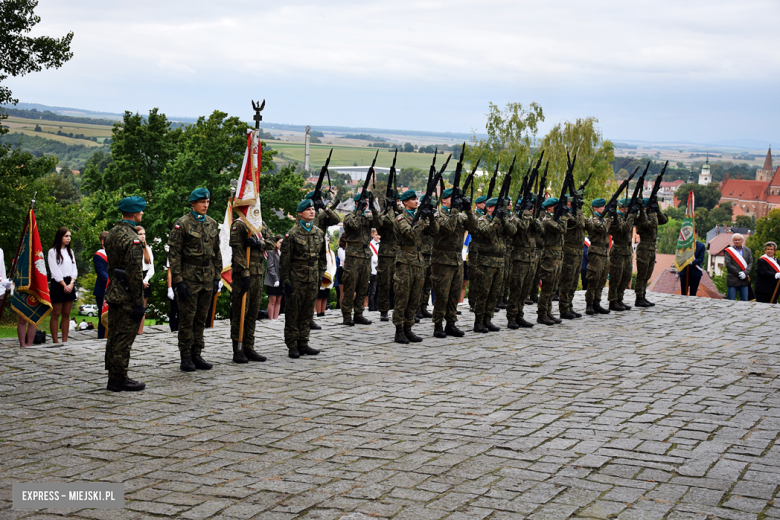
x: 772, y: 262
x: 374, y: 249
x: 732, y: 252
x: 102, y: 254
x: 587, y: 241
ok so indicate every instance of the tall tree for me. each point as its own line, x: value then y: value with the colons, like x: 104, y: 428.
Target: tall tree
x: 21, y: 54
x: 705, y: 196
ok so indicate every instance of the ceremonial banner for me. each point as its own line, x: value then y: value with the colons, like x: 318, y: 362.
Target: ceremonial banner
x: 31, y: 298
x: 225, y: 249
x: 686, y: 243
x: 247, y: 201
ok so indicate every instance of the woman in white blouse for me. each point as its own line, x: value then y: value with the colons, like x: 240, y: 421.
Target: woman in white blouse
x: 148, y: 269
x: 62, y: 266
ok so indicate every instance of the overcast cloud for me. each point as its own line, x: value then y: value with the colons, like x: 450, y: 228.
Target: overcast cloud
x: 658, y: 71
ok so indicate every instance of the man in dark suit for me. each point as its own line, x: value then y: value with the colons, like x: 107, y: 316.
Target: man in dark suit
x: 691, y: 275
x: 739, y: 263
x: 100, y: 260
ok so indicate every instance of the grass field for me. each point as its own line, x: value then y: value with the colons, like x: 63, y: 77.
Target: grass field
x: 349, y: 155
x: 50, y: 129
x: 9, y: 331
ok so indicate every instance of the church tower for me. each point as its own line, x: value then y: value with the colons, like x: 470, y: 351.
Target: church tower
x: 766, y: 173
x: 705, y: 177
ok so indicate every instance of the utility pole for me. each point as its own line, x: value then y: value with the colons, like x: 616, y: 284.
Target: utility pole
x: 306, y: 140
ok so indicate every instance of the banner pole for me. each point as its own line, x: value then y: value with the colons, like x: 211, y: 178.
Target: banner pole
x: 16, y: 256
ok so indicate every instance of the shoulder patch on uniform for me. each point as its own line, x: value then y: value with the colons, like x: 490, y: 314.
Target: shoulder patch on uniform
x: 234, y: 228
x: 177, y: 226
x: 400, y: 217
x: 136, y: 242
x: 285, y: 236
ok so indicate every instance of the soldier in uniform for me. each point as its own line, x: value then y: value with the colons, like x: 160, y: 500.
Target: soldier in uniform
x: 125, y: 294
x: 196, y: 268
x: 621, y: 259
x: 326, y: 217
x: 523, y: 267
x: 550, y: 265
x: 303, y: 264
x: 447, y: 264
x: 598, y: 257
x: 505, y: 270
x: 247, y: 279
x: 425, y: 295
x: 572, y: 261
x: 650, y: 217
x: 479, y: 210
x: 408, y: 265
x: 488, y: 235
x: 357, y: 267
x: 385, y: 267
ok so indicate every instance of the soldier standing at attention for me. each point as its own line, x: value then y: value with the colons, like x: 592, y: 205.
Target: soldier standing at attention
x: 479, y: 210
x: 325, y: 217
x: 357, y: 268
x: 552, y: 256
x: 598, y: 257
x: 523, y: 267
x: 303, y: 264
x: 650, y: 217
x: 447, y: 263
x: 425, y: 295
x: 572, y: 261
x: 487, y: 234
x: 621, y: 261
x: 505, y: 270
x: 125, y: 294
x: 408, y: 265
x: 247, y: 279
x: 196, y: 267
x: 385, y: 267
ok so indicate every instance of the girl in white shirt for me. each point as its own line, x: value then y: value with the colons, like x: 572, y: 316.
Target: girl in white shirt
x: 148, y: 270
x: 62, y: 266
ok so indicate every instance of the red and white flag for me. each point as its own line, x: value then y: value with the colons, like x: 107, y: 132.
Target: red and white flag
x: 247, y: 201
x: 225, y: 249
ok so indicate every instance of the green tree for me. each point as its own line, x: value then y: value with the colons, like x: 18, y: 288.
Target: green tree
x: 767, y: 230
x: 411, y: 177
x: 282, y: 192
x: 705, y: 196
x: 22, y: 54
x: 408, y: 148
x: 667, y: 237
x: 745, y: 221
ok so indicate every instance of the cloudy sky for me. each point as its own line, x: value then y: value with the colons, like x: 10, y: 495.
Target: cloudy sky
x: 661, y: 70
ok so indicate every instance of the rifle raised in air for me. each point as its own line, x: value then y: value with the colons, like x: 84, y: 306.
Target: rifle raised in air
x: 653, y: 201
x: 317, y: 197
x: 425, y: 202
x: 365, y: 193
x: 613, y: 201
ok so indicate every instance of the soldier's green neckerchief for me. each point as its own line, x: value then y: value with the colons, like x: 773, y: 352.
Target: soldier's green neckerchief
x: 201, y: 218
x: 446, y: 209
x: 308, y: 226
x: 131, y: 222
x: 410, y: 212
x: 480, y: 211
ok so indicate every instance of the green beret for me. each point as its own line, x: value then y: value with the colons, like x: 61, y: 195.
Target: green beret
x: 200, y: 193
x: 598, y: 203
x: 132, y: 205
x: 446, y: 193
x: 491, y: 202
x: 623, y: 203
x: 309, y: 195
x: 549, y: 202
x: 304, y: 205
x: 408, y: 194
x: 480, y: 199
x: 645, y: 201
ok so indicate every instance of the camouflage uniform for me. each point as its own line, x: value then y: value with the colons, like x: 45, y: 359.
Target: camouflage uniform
x: 572, y: 261
x: 486, y: 279
x: 427, y: 251
x: 385, y: 268
x: 326, y: 218
x: 357, y: 263
x: 550, y: 265
x: 647, y: 229
x: 124, y: 251
x: 447, y: 262
x: 303, y: 263
x: 408, y: 266
x: 621, y: 257
x: 195, y: 259
x: 523, y: 263
x: 598, y: 257
x: 238, y: 233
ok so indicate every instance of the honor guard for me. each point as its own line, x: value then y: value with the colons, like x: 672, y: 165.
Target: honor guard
x: 357, y: 264
x: 385, y: 267
x: 550, y: 265
x: 523, y: 267
x: 572, y: 260
x: 650, y: 217
x: 598, y: 257
x: 621, y: 257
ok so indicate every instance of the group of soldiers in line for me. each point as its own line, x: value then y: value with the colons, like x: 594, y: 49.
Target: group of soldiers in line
x: 518, y: 248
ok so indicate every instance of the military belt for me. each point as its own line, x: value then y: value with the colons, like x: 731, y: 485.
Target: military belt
x: 492, y: 255
x: 411, y: 248
x: 357, y: 243
x: 558, y: 248
x: 572, y: 247
x: 310, y: 263
x: 196, y: 263
x: 449, y: 249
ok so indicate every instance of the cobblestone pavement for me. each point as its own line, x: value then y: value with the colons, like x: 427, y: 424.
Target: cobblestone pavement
x: 670, y: 412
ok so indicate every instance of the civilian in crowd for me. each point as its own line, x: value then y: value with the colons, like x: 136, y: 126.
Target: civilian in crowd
x: 272, y: 279
x: 327, y: 281
x: 584, y: 267
x: 100, y: 261
x: 148, y: 270
x: 690, y: 277
x: 173, y: 313
x: 465, y: 253
x: 768, y: 279
x: 83, y: 324
x: 739, y: 262
x: 372, y: 301
x: 342, y: 256
x: 62, y: 266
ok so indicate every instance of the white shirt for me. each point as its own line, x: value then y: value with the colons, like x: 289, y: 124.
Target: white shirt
x: 148, y: 267
x: 2, y: 266
x: 342, y: 256
x: 83, y: 325
x: 374, y: 255
x: 66, y: 268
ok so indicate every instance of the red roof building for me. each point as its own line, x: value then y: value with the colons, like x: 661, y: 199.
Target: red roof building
x: 754, y: 198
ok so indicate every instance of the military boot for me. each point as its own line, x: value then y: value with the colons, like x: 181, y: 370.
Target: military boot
x: 126, y: 385
x: 292, y: 351
x: 200, y: 363
x: 556, y: 320
x: 544, y: 319
x: 525, y: 324
x: 648, y: 302
x: 305, y: 350
x: 568, y: 315
x: 186, y: 363
x: 576, y: 314
x: 411, y: 336
x: 251, y: 355
x: 625, y: 307
x: 480, y: 327
x: 313, y: 325
x: 438, y: 331
x: 615, y: 306
x: 238, y: 355
x: 348, y: 321
x: 641, y: 302
x: 383, y: 316
x: 360, y: 320
x: 424, y: 313
x: 598, y: 308
x: 400, y: 337
x: 512, y: 324
x: 451, y: 330
x: 492, y: 328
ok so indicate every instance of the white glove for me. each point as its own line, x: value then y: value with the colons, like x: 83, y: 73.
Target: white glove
x: 6, y: 284
x: 777, y: 276
x: 170, y: 293
x: 276, y: 284
x: 220, y: 286
x: 742, y: 275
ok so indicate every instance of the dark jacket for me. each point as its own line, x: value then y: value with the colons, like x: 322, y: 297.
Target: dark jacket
x: 765, y: 281
x: 101, y: 268
x: 698, y: 261
x: 733, y: 269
